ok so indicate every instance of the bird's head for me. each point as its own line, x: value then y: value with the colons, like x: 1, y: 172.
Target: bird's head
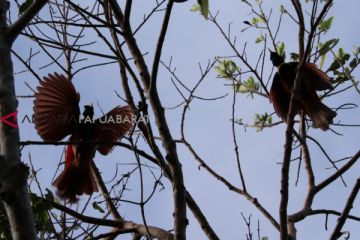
x: 276, y: 59
x: 88, y: 111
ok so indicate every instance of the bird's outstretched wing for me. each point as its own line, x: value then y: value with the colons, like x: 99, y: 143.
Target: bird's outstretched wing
x: 56, y: 108
x: 279, y: 97
x: 317, y: 78
x: 113, y: 126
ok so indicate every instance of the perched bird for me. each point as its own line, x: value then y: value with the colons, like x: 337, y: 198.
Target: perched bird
x: 57, y: 115
x: 313, y: 80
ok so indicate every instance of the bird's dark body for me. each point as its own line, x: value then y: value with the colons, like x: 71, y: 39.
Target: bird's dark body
x: 313, y: 79
x: 57, y: 99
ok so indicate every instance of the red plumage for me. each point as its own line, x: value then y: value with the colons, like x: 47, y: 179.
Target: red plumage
x: 69, y: 155
x: 313, y: 80
x: 57, y: 115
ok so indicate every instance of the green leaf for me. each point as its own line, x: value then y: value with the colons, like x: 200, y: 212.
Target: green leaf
x: 341, y: 53
x: 195, y: 8
x: 25, y: 6
x: 227, y: 69
x: 204, y: 8
x: 357, y: 50
x: 248, y: 86
x: 327, y: 46
x: 341, y: 57
x: 262, y: 121
x: 264, y: 238
x: 40, y: 210
x: 281, y: 49
x: 334, y: 66
x: 322, y: 61
x: 256, y: 20
x: 282, y: 9
x: 260, y: 39
x: 354, y: 63
x: 242, y: 89
x: 325, y: 25
x: 97, y: 207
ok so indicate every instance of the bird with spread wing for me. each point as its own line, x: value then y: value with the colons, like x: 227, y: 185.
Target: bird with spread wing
x: 57, y: 115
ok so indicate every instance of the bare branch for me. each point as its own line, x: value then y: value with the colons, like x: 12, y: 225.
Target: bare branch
x: 344, y: 215
x: 15, y: 30
x: 120, y: 224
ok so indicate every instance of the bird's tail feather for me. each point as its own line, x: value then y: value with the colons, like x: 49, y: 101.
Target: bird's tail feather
x: 321, y: 115
x: 75, y: 180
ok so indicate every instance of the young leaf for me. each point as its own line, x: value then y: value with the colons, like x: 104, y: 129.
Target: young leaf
x: 226, y: 69
x: 262, y: 121
x: 282, y: 9
x: 334, y: 66
x: 249, y: 86
x: 354, y: 63
x: 281, y: 49
x: 322, y: 61
x: 260, y: 39
x: 242, y: 89
x: 195, y: 8
x: 327, y: 46
x: 325, y: 25
x: 204, y: 8
x: 256, y: 20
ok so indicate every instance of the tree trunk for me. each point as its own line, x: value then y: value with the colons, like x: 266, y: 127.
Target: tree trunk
x: 13, y: 173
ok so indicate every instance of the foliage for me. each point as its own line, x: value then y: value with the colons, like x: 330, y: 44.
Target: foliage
x: 261, y: 121
x: 153, y: 150
x: 227, y: 69
x: 41, y: 212
x: 249, y: 86
x: 203, y: 8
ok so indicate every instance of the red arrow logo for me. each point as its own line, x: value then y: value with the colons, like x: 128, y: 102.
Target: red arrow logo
x: 12, y: 115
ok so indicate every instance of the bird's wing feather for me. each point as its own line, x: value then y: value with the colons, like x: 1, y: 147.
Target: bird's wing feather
x: 112, y: 126
x: 55, y: 106
x: 287, y: 74
x: 317, y: 78
x: 279, y: 97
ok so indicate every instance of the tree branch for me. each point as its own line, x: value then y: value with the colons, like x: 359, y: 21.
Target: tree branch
x: 303, y: 52
x: 344, y: 215
x: 159, y: 46
x: 15, y: 30
x: 337, y: 174
x: 179, y: 194
x: 120, y: 224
